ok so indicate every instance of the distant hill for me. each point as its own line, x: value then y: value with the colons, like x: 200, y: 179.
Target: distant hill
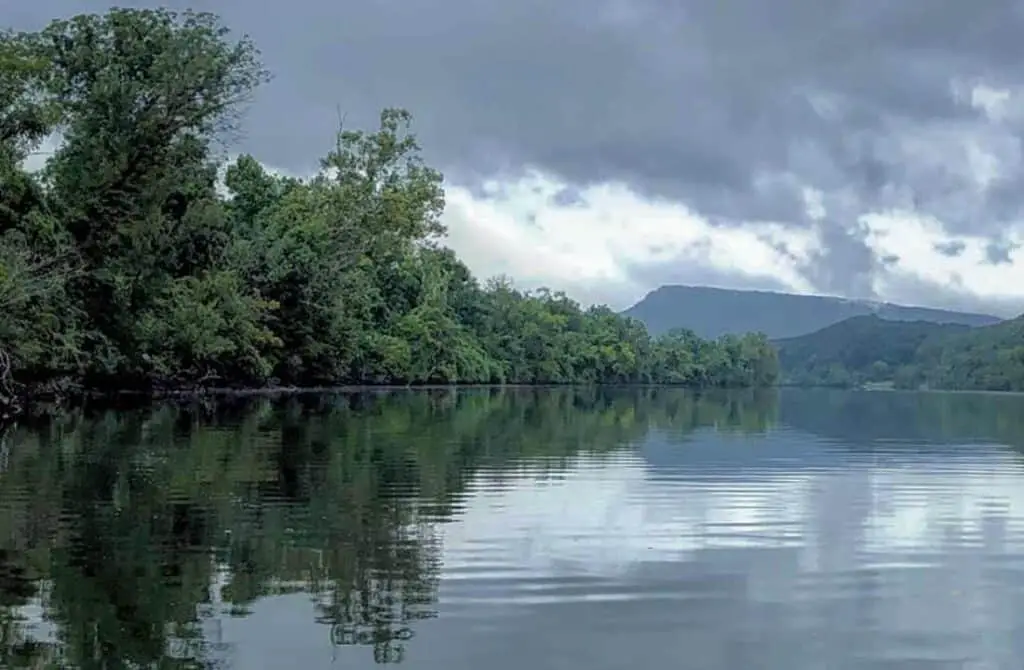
x: 907, y: 354
x: 859, y: 350
x: 712, y: 312
x: 989, y: 359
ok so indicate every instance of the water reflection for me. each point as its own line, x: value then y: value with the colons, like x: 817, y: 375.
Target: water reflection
x: 140, y: 534
x: 551, y: 528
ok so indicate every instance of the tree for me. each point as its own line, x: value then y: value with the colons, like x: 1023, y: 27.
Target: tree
x: 123, y: 265
x: 142, y: 93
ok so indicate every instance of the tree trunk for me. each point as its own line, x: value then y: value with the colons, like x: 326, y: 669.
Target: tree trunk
x: 10, y: 403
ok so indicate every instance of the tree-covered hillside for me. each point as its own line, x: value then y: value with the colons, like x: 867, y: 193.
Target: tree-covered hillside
x: 908, y: 355
x: 989, y: 359
x: 123, y: 266
x: 863, y: 349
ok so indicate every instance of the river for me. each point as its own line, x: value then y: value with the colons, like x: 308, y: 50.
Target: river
x: 519, y: 528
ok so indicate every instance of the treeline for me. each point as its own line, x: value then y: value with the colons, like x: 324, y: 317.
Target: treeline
x: 856, y: 351
x: 132, y: 530
x: 125, y: 264
x: 989, y: 359
x: 907, y: 355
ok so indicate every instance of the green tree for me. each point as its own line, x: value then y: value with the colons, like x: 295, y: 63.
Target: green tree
x: 122, y: 265
x: 142, y: 93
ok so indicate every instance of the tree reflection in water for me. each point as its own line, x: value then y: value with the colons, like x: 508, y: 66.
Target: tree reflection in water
x: 136, y: 531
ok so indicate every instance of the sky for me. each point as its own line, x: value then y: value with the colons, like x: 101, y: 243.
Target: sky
x: 863, y: 148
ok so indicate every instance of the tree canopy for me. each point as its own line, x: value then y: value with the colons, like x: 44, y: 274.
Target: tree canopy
x: 910, y: 355
x: 137, y: 259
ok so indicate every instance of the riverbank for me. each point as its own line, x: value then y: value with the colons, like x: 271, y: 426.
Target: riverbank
x: 44, y: 399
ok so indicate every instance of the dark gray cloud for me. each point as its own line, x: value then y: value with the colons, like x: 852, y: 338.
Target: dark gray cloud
x: 569, y: 196
x: 730, y: 106
x: 951, y: 248
x: 998, y: 251
x: 846, y: 265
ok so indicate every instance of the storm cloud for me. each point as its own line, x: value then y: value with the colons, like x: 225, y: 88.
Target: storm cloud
x: 736, y: 108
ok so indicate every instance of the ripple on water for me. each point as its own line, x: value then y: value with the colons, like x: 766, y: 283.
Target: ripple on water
x: 321, y: 540
x: 891, y: 561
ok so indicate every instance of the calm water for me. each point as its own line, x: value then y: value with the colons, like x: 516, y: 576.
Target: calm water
x: 520, y: 529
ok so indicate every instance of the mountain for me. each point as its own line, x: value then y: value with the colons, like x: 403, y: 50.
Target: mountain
x: 860, y: 349
x: 980, y: 359
x: 712, y: 312
x: 907, y: 354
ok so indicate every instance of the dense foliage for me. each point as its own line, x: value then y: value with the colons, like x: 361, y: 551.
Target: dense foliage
x: 863, y: 349
x: 866, y: 350
x: 123, y: 264
x: 990, y: 359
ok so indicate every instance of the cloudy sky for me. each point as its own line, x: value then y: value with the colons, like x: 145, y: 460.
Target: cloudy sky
x: 866, y: 148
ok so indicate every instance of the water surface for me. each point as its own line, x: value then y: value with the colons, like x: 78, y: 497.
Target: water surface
x: 520, y: 528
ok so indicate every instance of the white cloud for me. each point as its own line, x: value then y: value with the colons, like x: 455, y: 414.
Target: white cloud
x: 588, y: 248
x: 997, y: 103
x: 913, y: 239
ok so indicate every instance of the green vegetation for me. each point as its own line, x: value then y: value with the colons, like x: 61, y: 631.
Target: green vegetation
x: 861, y: 350
x: 134, y: 529
x: 990, y: 359
x: 122, y: 266
x: 908, y: 355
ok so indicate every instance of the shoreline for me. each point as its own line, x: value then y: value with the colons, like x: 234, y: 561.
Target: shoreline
x: 45, y: 395
x: 47, y: 398
x: 46, y: 402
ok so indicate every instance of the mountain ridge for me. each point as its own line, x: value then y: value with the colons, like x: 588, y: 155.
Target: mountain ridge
x: 711, y: 312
